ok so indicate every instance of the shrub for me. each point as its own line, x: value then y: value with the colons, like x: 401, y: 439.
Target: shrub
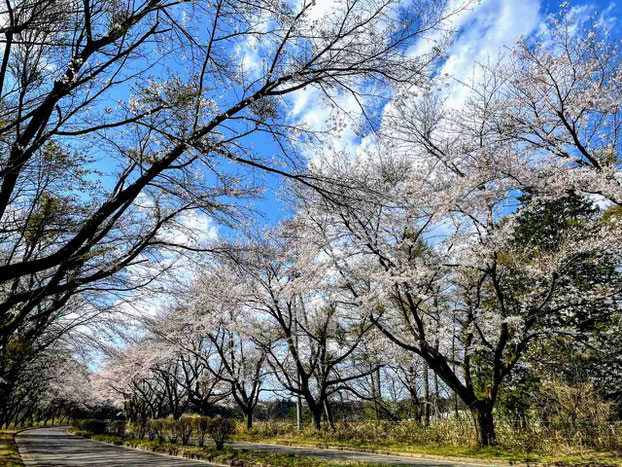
x: 270, y: 429
x: 156, y: 429
x: 169, y: 427
x: 542, y: 437
x: 184, y: 428
x: 117, y: 428
x: 220, y: 430
x: 138, y: 428
x: 91, y: 425
x: 201, y: 425
x: 141, y: 426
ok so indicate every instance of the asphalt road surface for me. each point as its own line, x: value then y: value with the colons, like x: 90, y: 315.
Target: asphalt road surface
x: 55, y: 447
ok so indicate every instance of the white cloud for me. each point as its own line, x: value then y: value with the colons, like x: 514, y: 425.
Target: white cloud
x: 250, y: 57
x: 192, y: 229
x: 485, y: 33
x: 339, y: 119
x: 321, y: 8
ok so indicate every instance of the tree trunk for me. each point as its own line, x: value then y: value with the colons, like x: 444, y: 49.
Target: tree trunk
x: 317, y: 410
x: 437, y: 398
x: 484, y: 422
x: 378, y: 393
x: 374, y: 396
x: 248, y: 416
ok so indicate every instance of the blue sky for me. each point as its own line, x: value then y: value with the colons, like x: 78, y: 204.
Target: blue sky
x: 489, y: 28
x: 600, y: 5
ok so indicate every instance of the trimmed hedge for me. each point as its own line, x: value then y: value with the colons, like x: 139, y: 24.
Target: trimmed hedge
x: 184, y: 429
x: 98, y: 427
x: 174, y: 431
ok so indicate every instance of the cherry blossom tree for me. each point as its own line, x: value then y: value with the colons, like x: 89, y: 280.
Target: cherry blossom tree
x: 427, y: 233
x: 215, y: 318
x: 153, y: 378
x: 127, y: 381
x: 52, y: 386
x: 69, y: 393
x: 310, y: 339
x: 118, y: 118
x: 397, y: 389
x: 54, y: 345
x: 432, y: 255
x: 550, y: 107
x: 564, y: 97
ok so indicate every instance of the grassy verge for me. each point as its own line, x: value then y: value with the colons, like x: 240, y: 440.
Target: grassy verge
x: 229, y: 456
x: 9, y: 455
x: 564, y: 456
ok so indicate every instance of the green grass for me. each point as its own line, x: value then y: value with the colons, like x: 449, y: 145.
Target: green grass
x: 230, y: 456
x: 9, y: 455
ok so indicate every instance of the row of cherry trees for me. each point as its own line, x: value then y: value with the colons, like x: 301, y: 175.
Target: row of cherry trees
x: 457, y: 238
x: 52, y: 387
x: 458, y: 241
x: 124, y: 121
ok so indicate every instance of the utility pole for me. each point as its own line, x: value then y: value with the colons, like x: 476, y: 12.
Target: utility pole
x: 453, y: 359
x: 426, y: 392
x: 374, y: 396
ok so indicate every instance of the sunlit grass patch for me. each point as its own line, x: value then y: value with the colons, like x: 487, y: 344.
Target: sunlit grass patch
x: 445, y: 440
x: 9, y: 455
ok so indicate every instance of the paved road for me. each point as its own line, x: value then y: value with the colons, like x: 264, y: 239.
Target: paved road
x: 55, y: 447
